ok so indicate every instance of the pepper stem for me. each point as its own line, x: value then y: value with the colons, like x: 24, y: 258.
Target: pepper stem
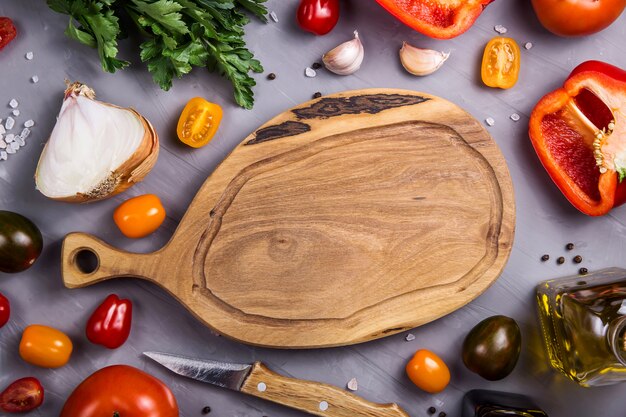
x: 116, y: 414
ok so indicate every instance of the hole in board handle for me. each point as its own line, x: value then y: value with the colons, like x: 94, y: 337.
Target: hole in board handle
x: 86, y: 261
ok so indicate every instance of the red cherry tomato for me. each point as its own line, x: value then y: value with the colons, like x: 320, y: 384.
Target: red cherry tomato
x: 7, y: 31
x: 22, y: 395
x: 577, y: 17
x: 109, y: 325
x: 318, y: 16
x: 5, y: 310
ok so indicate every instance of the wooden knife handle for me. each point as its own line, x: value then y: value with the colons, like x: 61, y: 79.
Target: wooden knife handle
x: 108, y: 263
x: 313, y: 397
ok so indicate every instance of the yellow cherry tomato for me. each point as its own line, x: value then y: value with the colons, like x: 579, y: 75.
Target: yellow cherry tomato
x: 501, y: 63
x: 45, y: 346
x: 198, y: 122
x: 139, y: 216
x: 428, y: 371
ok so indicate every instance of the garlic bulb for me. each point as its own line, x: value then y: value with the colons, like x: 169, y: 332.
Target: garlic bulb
x: 345, y: 58
x: 419, y: 61
x: 96, y: 150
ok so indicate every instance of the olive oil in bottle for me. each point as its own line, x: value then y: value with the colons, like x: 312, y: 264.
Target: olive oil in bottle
x: 483, y: 403
x: 583, y: 321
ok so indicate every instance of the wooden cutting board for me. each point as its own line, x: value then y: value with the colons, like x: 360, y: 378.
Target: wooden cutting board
x: 345, y: 219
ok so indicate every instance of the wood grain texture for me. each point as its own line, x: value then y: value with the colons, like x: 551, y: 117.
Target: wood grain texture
x: 307, y: 396
x: 393, y: 204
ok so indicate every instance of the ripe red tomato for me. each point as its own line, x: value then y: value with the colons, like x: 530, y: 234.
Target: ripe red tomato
x: 7, y: 31
x: 577, y: 17
x: 5, y: 310
x: 318, y: 16
x: 22, y: 395
x: 121, y: 390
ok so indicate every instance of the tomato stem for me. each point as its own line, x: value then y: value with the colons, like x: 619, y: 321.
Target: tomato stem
x: 116, y: 414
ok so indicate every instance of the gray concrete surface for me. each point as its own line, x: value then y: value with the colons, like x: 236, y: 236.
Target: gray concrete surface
x: 545, y: 220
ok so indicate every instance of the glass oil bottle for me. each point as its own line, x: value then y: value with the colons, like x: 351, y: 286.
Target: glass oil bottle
x: 583, y: 321
x: 484, y: 403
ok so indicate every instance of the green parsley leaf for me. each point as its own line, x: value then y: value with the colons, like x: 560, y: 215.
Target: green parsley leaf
x: 80, y: 35
x: 178, y: 35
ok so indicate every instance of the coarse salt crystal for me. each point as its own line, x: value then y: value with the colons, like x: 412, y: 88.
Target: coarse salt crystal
x: 10, y: 150
x: 3, y: 156
x: 20, y: 141
x: 409, y: 337
x: 2, y: 130
x: 9, y: 123
x: 29, y: 123
x: 34, y: 79
x: 528, y: 45
x: 274, y: 17
x: 310, y: 72
x: 3, y: 144
x: 353, y: 384
x: 490, y: 121
x: 500, y: 29
x: 25, y: 133
x: 29, y: 55
x: 16, y: 112
x: 9, y: 138
x: 515, y: 117
x: 15, y: 146
x: 13, y: 103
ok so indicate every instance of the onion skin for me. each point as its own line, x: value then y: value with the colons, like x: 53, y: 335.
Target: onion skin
x: 132, y: 171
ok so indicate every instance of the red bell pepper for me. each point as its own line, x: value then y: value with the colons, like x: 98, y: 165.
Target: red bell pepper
x: 109, y: 325
x: 579, y: 134
x: 441, y: 19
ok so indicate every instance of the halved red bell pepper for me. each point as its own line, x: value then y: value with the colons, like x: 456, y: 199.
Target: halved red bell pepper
x: 109, y: 325
x: 441, y: 19
x: 579, y: 134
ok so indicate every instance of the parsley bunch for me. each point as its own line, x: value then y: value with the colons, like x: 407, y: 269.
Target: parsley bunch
x: 180, y: 34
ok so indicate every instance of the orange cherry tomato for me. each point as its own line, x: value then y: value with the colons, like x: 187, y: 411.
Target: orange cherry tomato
x: 428, y: 371
x: 139, y: 216
x: 45, y: 346
x: 198, y: 122
x: 501, y: 63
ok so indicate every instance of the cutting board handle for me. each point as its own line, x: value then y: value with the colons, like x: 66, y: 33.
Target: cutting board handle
x: 86, y: 260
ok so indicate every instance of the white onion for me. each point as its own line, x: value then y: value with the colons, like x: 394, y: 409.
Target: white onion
x: 96, y: 150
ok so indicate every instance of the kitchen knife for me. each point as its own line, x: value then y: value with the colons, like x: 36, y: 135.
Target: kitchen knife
x: 257, y: 380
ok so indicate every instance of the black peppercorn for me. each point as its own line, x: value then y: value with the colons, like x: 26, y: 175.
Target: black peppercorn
x: 560, y: 260
x: 569, y: 246
x: 206, y: 410
x: 271, y: 76
x: 317, y: 95
x: 316, y: 65
x: 545, y: 257
x: 583, y: 271
x: 578, y: 259
x: 442, y: 414
x: 432, y: 410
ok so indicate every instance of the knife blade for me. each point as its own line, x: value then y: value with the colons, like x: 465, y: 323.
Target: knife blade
x: 256, y: 379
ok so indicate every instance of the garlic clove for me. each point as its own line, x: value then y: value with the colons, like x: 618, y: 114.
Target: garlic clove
x: 96, y: 150
x: 420, y: 61
x: 345, y: 58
